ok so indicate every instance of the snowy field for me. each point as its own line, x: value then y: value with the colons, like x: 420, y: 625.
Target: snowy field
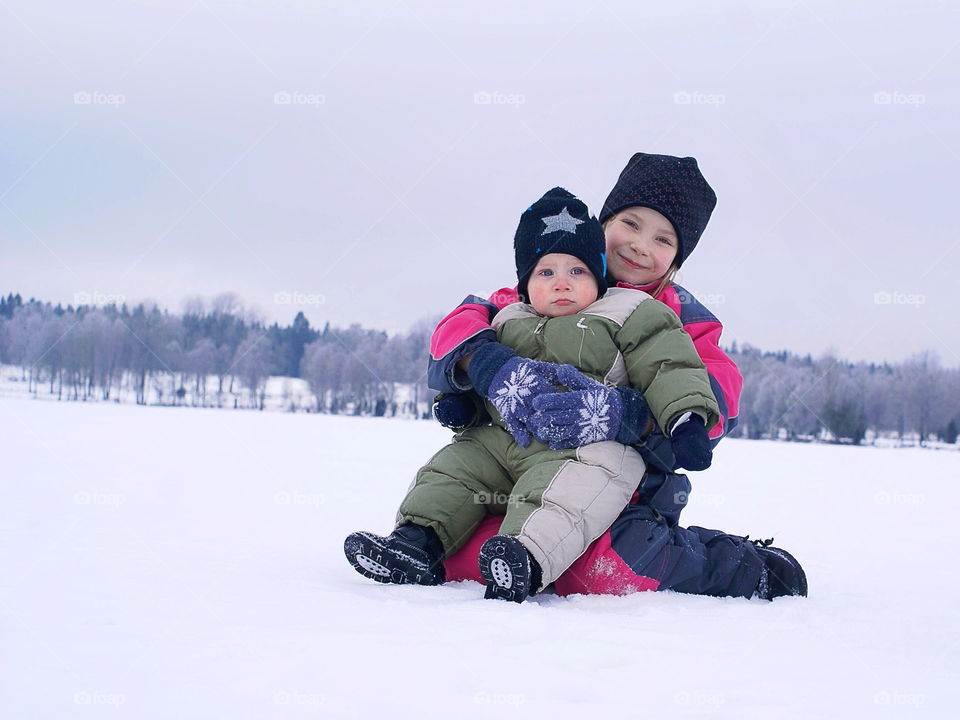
x: 181, y: 563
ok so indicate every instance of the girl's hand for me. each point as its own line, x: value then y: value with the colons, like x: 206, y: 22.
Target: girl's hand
x: 459, y: 411
x: 511, y: 383
x: 588, y: 412
x: 691, y: 445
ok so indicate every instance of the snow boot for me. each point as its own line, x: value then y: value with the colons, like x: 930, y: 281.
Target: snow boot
x: 781, y: 573
x: 411, y: 554
x: 509, y: 570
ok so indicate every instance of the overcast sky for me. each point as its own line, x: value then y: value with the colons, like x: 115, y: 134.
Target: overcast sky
x: 368, y: 161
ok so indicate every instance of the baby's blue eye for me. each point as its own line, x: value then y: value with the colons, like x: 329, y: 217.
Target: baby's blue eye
x: 577, y: 271
x: 545, y: 272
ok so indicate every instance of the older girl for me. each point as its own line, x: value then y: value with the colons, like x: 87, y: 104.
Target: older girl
x: 652, y: 220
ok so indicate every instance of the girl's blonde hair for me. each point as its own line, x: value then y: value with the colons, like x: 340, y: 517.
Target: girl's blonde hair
x: 666, y: 280
x: 668, y: 276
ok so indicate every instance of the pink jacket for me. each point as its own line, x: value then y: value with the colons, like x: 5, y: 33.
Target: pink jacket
x: 468, y: 326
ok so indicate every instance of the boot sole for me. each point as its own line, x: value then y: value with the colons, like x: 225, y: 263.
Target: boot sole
x: 369, y: 556
x: 505, y: 568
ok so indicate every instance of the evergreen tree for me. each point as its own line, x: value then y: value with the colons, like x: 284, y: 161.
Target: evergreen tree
x: 949, y: 434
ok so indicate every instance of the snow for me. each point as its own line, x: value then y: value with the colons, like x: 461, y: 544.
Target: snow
x: 182, y: 563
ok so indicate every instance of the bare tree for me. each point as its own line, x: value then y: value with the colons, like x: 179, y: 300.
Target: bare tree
x: 922, y: 378
x: 252, y: 362
x: 201, y: 362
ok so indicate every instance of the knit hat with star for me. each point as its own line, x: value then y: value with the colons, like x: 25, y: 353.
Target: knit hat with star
x: 559, y: 223
x: 672, y: 186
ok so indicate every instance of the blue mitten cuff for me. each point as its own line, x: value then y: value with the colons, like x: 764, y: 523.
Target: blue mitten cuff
x: 636, y: 416
x: 486, y: 362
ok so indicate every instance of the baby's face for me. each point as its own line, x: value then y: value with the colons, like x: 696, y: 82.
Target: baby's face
x: 561, y: 284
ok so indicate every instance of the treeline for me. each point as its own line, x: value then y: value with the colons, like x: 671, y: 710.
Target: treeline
x: 199, y: 356
x: 196, y: 358
x: 786, y: 396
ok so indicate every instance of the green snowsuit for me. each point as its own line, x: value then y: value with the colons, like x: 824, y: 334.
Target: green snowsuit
x: 557, y: 502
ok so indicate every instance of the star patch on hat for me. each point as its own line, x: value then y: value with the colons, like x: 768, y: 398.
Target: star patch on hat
x: 562, y: 221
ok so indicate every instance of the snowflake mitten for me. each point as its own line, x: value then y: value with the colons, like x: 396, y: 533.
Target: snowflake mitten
x: 588, y: 412
x: 511, y: 383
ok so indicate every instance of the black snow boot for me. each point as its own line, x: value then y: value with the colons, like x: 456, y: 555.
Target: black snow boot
x: 509, y: 570
x: 781, y: 573
x: 411, y: 554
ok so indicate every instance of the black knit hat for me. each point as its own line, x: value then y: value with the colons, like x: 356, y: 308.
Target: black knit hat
x: 672, y: 186
x: 559, y: 223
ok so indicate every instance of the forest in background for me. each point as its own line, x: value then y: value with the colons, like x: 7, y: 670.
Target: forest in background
x: 215, y: 352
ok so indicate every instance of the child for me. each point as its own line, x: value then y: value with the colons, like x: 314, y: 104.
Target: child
x: 555, y: 502
x: 646, y: 548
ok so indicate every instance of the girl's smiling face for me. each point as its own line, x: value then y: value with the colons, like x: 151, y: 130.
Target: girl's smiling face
x: 641, y: 245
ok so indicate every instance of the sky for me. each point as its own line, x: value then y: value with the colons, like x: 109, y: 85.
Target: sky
x: 368, y: 162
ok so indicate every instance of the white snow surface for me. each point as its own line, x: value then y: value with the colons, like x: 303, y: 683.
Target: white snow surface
x: 185, y: 563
